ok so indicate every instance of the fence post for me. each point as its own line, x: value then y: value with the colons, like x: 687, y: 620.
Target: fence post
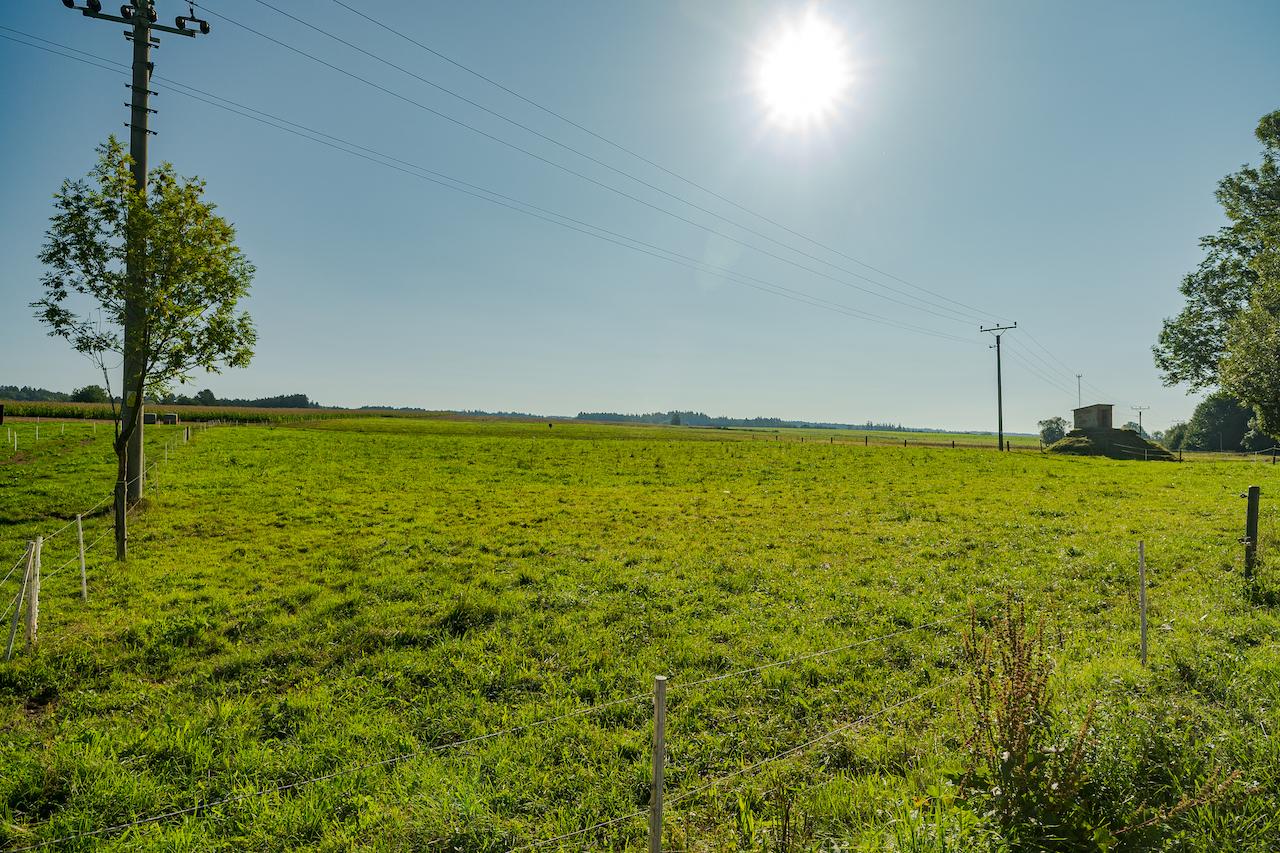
x: 17, y: 601
x: 659, y: 762
x: 1142, y: 599
x: 33, y: 595
x: 1251, y: 532
x: 122, y: 532
x: 84, y: 581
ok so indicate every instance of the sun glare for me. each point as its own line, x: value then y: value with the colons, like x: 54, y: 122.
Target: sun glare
x: 804, y: 72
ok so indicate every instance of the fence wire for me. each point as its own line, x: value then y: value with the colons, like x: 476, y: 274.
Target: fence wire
x: 346, y: 771
x: 676, y: 685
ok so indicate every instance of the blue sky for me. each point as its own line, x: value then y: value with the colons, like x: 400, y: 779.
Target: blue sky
x: 1052, y: 164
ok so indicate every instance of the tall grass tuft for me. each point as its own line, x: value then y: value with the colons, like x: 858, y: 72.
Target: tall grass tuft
x: 1025, y: 769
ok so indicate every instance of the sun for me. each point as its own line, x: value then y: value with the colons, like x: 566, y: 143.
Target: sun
x: 804, y: 72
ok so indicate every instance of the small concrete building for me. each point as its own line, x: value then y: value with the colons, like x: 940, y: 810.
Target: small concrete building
x: 1097, y: 416
x: 170, y: 419
x: 148, y: 418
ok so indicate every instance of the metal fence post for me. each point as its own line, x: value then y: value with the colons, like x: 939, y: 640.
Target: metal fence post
x: 1142, y: 599
x: 84, y: 581
x: 17, y: 602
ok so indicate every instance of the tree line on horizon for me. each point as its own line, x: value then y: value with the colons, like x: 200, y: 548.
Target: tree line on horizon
x: 98, y: 394
x: 689, y: 418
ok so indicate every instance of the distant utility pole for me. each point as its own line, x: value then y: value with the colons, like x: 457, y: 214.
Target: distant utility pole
x: 142, y: 17
x: 998, y: 331
x: 1079, y: 396
x: 1140, y: 410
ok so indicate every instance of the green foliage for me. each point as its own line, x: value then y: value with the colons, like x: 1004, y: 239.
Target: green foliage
x: 1228, y: 333
x: 1052, y: 429
x: 1175, y: 437
x: 90, y: 394
x: 1219, y: 422
x: 153, y: 276
x: 308, y: 598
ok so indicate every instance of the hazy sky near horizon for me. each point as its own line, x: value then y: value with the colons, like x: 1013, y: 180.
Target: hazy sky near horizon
x: 1052, y: 164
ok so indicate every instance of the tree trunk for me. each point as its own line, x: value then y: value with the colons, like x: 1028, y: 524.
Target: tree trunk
x: 121, y: 505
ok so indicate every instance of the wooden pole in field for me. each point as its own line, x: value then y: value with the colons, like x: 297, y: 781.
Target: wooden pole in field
x: 659, y: 762
x: 33, y: 595
x: 1142, y: 600
x: 84, y: 581
x: 17, y: 601
x: 1251, y: 532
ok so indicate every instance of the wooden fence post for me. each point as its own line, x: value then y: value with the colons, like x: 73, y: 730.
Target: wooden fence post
x: 659, y: 762
x: 1142, y: 600
x: 17, y: 601
x: 84, y: 581
x: 1251, y: 532
x: 33, y: 595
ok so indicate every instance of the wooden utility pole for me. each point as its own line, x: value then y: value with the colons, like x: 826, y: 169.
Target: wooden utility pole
x: 999, y: 331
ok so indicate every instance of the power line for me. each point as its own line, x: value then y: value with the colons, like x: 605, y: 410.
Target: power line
x: 1035, y: 372
x: 632, y: 153
x: 951, y: 316
x: 493, y: 197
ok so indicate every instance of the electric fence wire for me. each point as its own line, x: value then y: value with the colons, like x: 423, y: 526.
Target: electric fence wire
x: 787, y: 753
x: 585, y: 177
x: 976, y: 312
x: 678, y: 685
x: 368, y: 765
x: 9, y: 573
x: 520, y: 206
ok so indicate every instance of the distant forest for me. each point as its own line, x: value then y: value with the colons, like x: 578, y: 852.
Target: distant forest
x: 703, y: 419
x: 97, y: 394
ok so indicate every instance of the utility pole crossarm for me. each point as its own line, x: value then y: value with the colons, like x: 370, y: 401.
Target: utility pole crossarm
x: 998, y: 331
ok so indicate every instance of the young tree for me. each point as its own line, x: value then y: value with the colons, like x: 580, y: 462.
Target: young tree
x: 1228, y: 334
x: 188, y: 276
x: 1052, y: 429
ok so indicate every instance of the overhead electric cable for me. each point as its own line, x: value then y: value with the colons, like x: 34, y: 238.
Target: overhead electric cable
x: 967, y: 316
x: 510, y: 203
x: 632, y: 153
x: 610, y: 188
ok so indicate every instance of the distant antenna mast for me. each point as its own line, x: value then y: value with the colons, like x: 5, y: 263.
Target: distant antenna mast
x: 1079, y: 396
x: 998, y: 331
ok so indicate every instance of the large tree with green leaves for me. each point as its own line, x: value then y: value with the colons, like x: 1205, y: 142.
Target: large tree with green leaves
x: 1228, y: 333
x: 161, y: 258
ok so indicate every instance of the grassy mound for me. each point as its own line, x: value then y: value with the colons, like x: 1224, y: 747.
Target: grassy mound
x: 1115, y: 443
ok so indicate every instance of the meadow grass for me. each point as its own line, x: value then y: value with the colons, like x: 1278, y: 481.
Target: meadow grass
x: 312, y: 598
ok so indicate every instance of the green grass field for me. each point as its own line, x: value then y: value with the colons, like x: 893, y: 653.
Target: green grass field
x: 312, y: 599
